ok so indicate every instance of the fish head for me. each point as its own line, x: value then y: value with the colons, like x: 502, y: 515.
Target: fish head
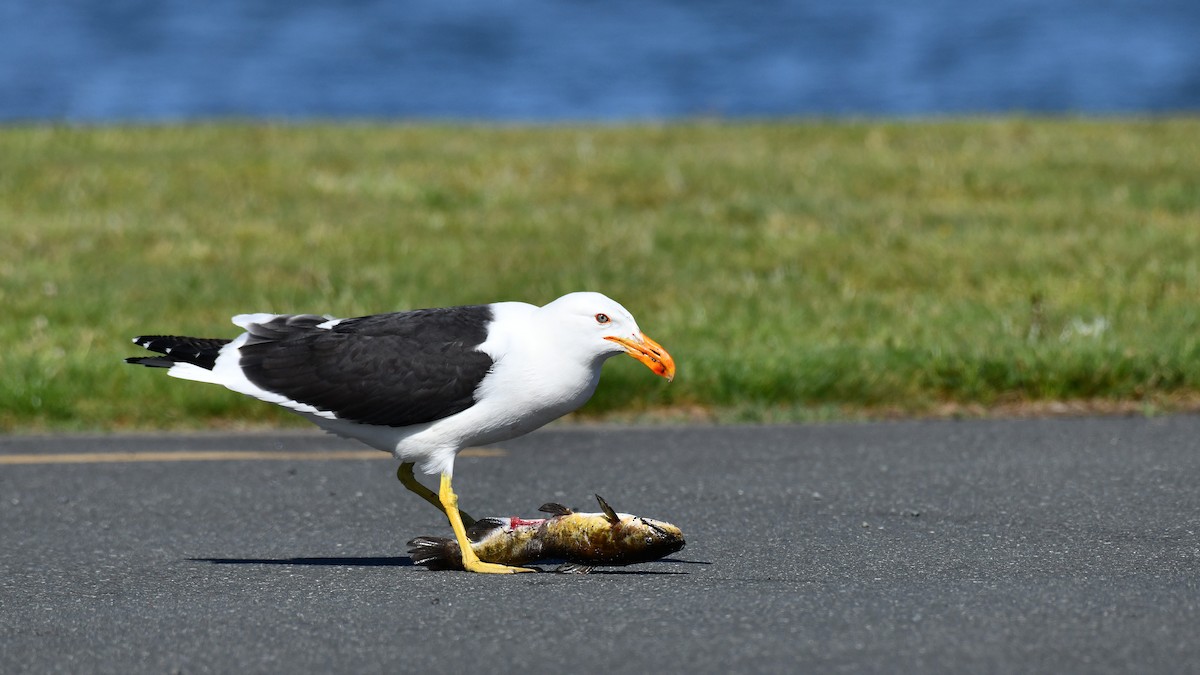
x: 606, y: 538
x: 640, y: 539
x: 646, y: 539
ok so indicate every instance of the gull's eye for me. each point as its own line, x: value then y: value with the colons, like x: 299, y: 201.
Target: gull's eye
x: 602, y: 318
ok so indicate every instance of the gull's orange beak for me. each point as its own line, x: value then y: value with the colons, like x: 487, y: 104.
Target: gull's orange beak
x: 648, y: 352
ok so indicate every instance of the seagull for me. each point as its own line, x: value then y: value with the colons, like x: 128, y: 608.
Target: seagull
x: 422, y: 384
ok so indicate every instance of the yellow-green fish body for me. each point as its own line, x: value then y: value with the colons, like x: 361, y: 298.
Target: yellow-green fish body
x: 582, y: 541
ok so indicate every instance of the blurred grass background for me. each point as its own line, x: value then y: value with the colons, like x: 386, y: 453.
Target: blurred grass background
x: 794, y: 270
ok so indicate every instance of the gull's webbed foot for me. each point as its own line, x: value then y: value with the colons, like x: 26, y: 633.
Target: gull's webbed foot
x: 471, y: 562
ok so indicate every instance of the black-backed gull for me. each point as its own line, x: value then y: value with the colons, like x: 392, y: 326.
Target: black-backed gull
x: 426, y: 383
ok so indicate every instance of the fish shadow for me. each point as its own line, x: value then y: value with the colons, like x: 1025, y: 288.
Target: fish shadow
x: 382, y: 561
x: 405, y: 561
x: 649, y: 572
x: 612, y: 570
x: 681, y: 561
x: 607, y: 571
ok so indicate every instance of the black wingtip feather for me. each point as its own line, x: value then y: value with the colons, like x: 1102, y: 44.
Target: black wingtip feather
x: 151, y: 361
x: 201, y: 352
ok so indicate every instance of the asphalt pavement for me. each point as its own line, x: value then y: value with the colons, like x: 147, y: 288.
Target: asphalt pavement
x: 1035, y: 546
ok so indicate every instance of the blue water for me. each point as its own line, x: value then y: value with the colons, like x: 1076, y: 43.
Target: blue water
x: 540, y: 60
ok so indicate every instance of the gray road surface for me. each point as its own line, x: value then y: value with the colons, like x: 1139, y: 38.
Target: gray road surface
x: 984, y: 546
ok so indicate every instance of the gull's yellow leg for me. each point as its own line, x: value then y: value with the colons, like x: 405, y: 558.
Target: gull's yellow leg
x: 471, y: 562
x: 408, y: 480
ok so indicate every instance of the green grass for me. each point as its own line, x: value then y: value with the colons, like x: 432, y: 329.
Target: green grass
x: 793, y: 269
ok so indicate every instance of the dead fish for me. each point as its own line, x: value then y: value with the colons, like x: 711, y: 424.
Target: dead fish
x: 583, y: 541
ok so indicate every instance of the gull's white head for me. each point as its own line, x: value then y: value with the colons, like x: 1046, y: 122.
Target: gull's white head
x: 607, y: 328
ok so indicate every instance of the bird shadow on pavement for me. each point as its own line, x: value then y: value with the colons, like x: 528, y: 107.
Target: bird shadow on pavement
x: 383, y: 561
x: 405, y: 561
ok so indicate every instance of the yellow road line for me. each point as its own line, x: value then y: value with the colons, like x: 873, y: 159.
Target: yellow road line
x: 213, y: 456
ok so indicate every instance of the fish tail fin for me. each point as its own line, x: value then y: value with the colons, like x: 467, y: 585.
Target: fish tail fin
x: 436, y: 553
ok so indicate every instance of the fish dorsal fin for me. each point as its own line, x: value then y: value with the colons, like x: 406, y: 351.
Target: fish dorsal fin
x: 480, y: 529
x: 555, y: 509
x: 608, y: 511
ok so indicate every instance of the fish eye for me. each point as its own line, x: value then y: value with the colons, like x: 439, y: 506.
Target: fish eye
x: 649, y: 540
x: 602, y: 318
